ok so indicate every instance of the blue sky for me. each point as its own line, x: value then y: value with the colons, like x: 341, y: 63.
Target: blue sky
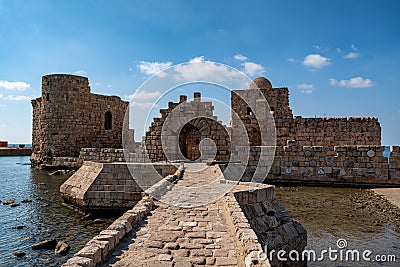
x: 338, y: 58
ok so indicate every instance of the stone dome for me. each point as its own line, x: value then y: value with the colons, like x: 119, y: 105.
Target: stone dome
x: 260, y: 83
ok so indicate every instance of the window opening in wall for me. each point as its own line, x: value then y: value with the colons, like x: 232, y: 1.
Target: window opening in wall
x: 271, y: 111
x: 249, y: 111
x: 47, y: 97
x: 108, y: 120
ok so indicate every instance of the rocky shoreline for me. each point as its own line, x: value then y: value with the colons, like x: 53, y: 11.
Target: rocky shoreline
x: 381, y: 207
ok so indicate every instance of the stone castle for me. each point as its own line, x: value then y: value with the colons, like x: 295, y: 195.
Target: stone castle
x: 71, y: 125
x: 73, y: 128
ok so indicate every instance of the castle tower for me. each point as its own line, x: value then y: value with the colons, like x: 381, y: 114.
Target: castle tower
x: 67, y: 117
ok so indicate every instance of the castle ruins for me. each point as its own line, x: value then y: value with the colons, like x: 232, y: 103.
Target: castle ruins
x: 74, y: 128
x: 71, y: 125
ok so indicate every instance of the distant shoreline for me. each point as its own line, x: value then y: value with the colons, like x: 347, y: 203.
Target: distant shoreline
x: 17, y: 145
x: 15, y: 151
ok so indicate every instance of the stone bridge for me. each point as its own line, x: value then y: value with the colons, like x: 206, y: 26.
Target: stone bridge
x: 227, y: 231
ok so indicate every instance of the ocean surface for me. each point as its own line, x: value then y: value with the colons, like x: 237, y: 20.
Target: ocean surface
x: 45, y: 217
x: 329, y: 214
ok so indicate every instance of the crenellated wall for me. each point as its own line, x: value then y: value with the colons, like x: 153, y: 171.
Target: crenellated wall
x: 183, y: 141
x: 306, y: 131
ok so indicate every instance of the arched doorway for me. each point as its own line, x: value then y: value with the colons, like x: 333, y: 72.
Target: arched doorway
x: 189, y: 140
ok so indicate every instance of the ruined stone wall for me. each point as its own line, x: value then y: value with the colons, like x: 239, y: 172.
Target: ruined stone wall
x: 102, y: 154
x: 68, y: 117
x: 253, y: 110
x: 337, y: 165
x: 394, y: 168
x: 203, y: 125
x: 329, y: 131
x: 306, y: 131
x: 113, y: 155
x: 98, y: 106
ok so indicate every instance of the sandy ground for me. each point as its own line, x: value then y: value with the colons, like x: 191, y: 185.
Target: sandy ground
x: 392, y: 194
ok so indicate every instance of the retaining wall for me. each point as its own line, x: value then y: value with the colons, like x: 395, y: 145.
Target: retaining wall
x: 108, y: 185
x: 334, y: 165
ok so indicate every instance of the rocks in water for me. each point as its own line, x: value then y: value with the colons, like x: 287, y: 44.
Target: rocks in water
x: 61, y: 248
x: 87, y: 216
x: 26, y: 201
x: 58, y: 172
x: 15, y: 205
x: 98, y: 221
x: 8, y: 202
x: 19, y: 254
x: 19, y: 227
x: 46, y: 244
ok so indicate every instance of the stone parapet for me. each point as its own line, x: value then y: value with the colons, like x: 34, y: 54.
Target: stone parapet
x: 97, y: 249
x: 259, y: 222
x: 102, y: 154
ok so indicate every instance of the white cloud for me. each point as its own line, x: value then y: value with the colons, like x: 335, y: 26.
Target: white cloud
x: 356, y: 82
x: 351, y: 55
x: 316, y: 61
x: 240, y: 57
x: 1, y: 96
x: 197, y: 59
x: 17, y: 97
x: 143, y: 104
x: 292, y: 59
x: 307, y: 92
x: 141, y: 95
x: 317, y: 47
x: 252, y: 69
x: 81, y: 72
x: 14, y: 85
x: 3, y: 125
x: 151, y: 68
x: 338, y: 50
x: 354, y: 48
x: 305, y: 86
x: 206, y: 71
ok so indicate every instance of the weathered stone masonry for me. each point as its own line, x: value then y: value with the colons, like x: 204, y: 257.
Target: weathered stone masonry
x: 67, y: 117
x: 333, y: 151
x: 306, y: 131
x: 183, y: 143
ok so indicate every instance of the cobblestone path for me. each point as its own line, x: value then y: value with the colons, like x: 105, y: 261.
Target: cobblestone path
x: 173, y: 236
